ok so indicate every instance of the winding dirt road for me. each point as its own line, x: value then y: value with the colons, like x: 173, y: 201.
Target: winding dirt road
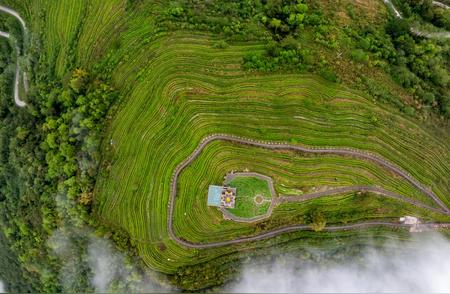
x: 283, y: 146
x: 19, y: 102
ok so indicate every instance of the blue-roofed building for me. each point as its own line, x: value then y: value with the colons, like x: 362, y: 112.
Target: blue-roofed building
x: 214, y: 193
x: 221, y: 196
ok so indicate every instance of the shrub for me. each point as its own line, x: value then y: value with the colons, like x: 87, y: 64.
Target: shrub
x: 329, y: 75
x: 318, y: 221
x: 359, y: 55
x: 220, y: 44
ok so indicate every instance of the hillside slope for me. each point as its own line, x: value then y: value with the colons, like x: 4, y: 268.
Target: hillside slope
x: 122, y: 92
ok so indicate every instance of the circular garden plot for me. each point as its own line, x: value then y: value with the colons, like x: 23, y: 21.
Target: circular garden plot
x: 254, y: 193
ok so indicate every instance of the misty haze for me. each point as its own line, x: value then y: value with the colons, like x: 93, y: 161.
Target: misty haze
x: 419, y: 265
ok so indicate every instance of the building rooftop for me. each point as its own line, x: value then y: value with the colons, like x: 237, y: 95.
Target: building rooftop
x: 221, y: 196
x: 214, y: 194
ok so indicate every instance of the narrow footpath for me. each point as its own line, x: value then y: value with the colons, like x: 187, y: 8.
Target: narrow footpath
x: 322, y: 150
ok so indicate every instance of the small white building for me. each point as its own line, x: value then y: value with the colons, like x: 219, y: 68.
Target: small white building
x: 409, y: 220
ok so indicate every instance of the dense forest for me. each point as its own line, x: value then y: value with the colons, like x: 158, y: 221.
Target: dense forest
x: 426, y: 11
x: 50, y: 151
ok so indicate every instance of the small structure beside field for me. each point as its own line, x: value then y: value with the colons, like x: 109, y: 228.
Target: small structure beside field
x: 221, y: 196
x: 409, y: 220
x: 254, y: 201
x: 413, y: 222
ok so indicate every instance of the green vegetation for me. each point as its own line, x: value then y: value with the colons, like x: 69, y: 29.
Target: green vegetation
x: 420, y: 66
x: 10, y: 269
x: 425, y: 11
x: 190, y: 90
x: 340, y: 246
x: 248, y: 189
x: 123, y: 91
x: 318, y: 221
x: 195, y: 221
x: 49, y: 160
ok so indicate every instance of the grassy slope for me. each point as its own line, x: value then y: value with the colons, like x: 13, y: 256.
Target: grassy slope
x: 184, y: 91
x: 196, y: 221
x: 248, y: 188
x: 62, y: 27
x: 177, y: 89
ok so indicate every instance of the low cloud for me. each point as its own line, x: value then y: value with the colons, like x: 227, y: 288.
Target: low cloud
x: 106, y: 265
x: 83, y: 253
x: 114, y: 272
x: 421, y: 264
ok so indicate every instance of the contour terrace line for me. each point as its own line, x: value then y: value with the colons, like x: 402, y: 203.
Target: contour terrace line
x: 322, y: 150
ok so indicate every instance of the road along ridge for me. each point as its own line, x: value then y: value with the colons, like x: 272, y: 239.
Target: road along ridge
x: 284, y: 146
x: 442, y: 5
x: 416, y: 31
x: 4, y: 34
x: 19, y: 102
x: 16, y: 15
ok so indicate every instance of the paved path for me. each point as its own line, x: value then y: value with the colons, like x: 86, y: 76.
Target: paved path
x: 19, y: 102
x: 416, y: 31
x: 351, y: 189
x: 4, y: 34
x: 323, y: 150
x: 16, y: 15
x: 314, y: 195
x: 442, y: 5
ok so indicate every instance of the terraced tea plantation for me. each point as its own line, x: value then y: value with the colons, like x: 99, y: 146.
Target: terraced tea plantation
x: 186, y: 90
x: 178, y: 87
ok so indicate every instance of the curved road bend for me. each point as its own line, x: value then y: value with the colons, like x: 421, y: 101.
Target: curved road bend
x: 284, y: 146
x: 14, y: 13
x: 442, y: 5
x: 417, y: 32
